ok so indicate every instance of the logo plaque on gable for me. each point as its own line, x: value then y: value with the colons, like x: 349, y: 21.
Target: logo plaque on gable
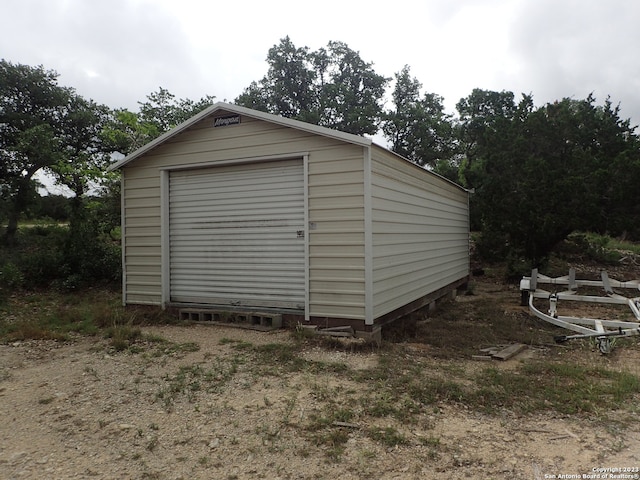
x: 226, y: 121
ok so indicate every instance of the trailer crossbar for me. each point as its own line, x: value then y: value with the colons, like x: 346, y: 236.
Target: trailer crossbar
x: 601, y: 330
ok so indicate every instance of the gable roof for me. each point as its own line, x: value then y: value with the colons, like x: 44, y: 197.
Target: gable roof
x: 231, y: 108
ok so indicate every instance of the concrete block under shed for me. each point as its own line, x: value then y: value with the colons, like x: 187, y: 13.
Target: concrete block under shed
x: 253, y: 320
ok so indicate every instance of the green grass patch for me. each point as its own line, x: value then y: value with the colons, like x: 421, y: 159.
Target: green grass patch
x: 278, y: 353
x: 52, y: 315
x: 567, y: 388
x: 189, y: 380
x: 402, y: 390
x: 387, y: 436
x: 595, y: 247
x: 606, y: 242
x: 334, y: 440
x: 324, y: 433
x: 121, y: 337
x: 278, y: 358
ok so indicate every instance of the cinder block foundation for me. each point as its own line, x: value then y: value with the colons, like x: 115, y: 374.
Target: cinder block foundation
x: 252, y: 320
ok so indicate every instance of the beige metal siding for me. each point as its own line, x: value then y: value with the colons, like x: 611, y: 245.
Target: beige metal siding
x: 420, y: 229
x: 141, y: 240
x: 336, y: 233
x: 335, y: 199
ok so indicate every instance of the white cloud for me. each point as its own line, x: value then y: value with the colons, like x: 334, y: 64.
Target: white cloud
x: 573, y: 48
x: 118, y: 51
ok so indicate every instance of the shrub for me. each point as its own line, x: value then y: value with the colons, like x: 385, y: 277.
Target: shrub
x: 10, y: 276
x: 42, y: 266
x: 36, y: 260
x: 89, y: 257
x: 68, y: 258
x: 593, y: 246
x: 90, y: 252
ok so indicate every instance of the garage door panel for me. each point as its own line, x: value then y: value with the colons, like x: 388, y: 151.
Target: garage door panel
x: 229, y: 274
x: 234, y: 235
x: 258, y: 229
x: 222, y: 243
x: 191, y: 266
x: 279, y: 195
x: 234, y: 210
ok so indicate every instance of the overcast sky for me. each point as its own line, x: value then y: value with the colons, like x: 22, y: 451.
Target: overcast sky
x: 118, y: 51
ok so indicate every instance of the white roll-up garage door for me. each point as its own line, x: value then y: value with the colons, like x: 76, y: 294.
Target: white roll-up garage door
x: 236, y: 235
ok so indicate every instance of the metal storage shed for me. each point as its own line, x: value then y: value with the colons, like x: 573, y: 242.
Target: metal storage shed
x: 237, y: 209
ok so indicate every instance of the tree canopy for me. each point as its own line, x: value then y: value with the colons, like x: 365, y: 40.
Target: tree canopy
x: 417, y: 127
x: 33, y: 108
x: 126, y: 131
x: 538, y: 173
x: 333, y: 87
x: 51, y: 128
x: 542, y: 173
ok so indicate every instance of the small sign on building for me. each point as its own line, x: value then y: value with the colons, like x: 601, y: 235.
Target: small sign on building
x: 226, y: 121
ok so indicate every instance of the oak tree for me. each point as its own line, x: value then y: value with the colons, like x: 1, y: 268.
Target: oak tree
x: 32, y: 109
x: 333, y: 87
x: 417, y: 127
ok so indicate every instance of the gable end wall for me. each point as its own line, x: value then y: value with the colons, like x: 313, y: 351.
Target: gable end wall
x: 335, y: 200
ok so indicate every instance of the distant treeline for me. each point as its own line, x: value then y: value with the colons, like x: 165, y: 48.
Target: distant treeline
x: 537, y: 172
x: 49, y: 207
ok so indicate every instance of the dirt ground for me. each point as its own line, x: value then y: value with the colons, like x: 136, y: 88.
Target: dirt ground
x: 76, y: 410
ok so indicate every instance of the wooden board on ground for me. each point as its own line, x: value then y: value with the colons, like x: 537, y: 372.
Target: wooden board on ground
x: 509, y: 352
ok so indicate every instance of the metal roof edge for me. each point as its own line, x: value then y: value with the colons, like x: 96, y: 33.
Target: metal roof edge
x: 297, y: 124
x: 163, y: 138
x: 230, y: 107
x: 431, y: 172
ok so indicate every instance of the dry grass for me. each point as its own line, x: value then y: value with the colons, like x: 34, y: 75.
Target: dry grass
x: 424, y: 362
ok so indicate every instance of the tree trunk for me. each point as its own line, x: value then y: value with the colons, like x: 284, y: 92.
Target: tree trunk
x: 9, y: 237
x: 18, y: 205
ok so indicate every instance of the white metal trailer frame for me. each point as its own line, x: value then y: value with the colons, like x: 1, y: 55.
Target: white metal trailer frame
x: 602, y: 330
